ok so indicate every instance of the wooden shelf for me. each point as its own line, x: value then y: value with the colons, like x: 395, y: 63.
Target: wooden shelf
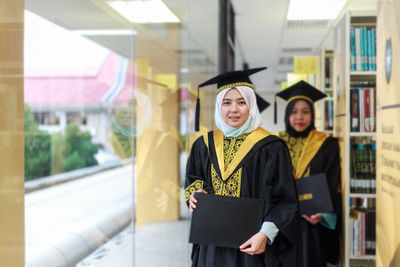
x: 363, y: 73
x: 363, y: 257
x: 356, y: 134
x: 362, y: 195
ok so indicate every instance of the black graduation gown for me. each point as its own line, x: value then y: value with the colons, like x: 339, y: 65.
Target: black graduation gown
x: 266, y: 174
x: 320, y: 244
x: 319, y: 240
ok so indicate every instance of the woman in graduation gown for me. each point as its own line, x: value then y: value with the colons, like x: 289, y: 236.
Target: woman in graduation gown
x: 313, y: 152
x: 241, y: 159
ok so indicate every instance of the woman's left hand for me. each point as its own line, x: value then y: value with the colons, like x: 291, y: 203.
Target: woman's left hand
x: 255, y: 245
x: 313, y: 219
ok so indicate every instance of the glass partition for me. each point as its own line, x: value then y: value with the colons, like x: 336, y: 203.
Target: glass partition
x: 109, y: 95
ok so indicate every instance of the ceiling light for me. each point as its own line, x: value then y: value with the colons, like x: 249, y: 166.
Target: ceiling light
x: 314, y: 9
x: 148, y: 11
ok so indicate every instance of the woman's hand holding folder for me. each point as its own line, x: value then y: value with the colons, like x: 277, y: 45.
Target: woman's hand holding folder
x: 314, y: 219
x: 255, y: 245
x: 193, y: 201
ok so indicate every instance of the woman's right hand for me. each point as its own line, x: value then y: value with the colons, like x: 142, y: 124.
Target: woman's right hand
x: 314, y: 219
x: 193, y: 201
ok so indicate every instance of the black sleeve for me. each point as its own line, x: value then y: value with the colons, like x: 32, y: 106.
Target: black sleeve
x: 331, y: 158
x: 332, y: 169
x: 197, y: 168
x: 282, y: 208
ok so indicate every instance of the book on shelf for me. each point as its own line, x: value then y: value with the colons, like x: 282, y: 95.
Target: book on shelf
x: 363, y: 55
x: 369, y: 49
x: 358, y: 49
x: 362, y: 109
x: 354, y: 110
x: 373, y: 43
x: 353, y: 61
x: 362, y: 168
x: 372, y: 109
x: 328, y: 115
x: 362, y: 48
x: 369, y: 109
x: 330, y: 105
x: 372, y: 167
x: 366, y: 109
x: 363, y: 222
x: 361, y: 113
x: 328, y: 71
x: 370, y: 234
x: 353, y: 168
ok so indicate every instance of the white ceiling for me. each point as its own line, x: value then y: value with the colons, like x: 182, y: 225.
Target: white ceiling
x: 263, y: 36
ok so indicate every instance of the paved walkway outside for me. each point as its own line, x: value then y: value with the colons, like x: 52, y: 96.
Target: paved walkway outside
x: 65, y: 222
x: 157, y: 244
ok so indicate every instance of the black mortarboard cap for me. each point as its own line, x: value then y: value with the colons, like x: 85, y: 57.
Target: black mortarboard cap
x: 229, y: 80
x: 302, y: 90
x: 232, y: 79
x: 262, y: 104
x: 298, y: 90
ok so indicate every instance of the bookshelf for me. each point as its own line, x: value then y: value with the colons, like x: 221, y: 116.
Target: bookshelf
x: 324, y: 108
x: 354, y: 90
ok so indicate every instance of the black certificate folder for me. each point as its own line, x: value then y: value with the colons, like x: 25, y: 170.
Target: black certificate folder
x: 314, y: 196
x: 225, y: 221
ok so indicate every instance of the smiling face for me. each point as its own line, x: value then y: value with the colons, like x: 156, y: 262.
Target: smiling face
x: 234, y: 109
x: 300, y: 117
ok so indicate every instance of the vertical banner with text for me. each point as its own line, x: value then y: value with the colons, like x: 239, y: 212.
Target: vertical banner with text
x: 388, y: 135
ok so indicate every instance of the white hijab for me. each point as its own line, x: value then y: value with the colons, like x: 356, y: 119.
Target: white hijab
x: 253, y: 121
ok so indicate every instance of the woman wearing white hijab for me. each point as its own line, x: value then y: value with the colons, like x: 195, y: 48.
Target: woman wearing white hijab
x: 241, y: 159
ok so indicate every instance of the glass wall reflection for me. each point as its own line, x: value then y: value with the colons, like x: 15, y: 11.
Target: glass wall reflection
x: 171, y: 59
x: 79, y: 132
x: 109, y: 107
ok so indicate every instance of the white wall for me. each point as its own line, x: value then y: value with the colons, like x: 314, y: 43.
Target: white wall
x: 268, y: 114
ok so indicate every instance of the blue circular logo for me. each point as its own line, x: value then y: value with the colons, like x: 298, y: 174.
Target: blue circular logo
x: 388, y: 60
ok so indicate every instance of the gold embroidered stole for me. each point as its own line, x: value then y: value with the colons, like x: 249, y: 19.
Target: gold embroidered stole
x: 220, y: 184
x: 247, y: 145
x: 312, y: 144
x: 230, y: 187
